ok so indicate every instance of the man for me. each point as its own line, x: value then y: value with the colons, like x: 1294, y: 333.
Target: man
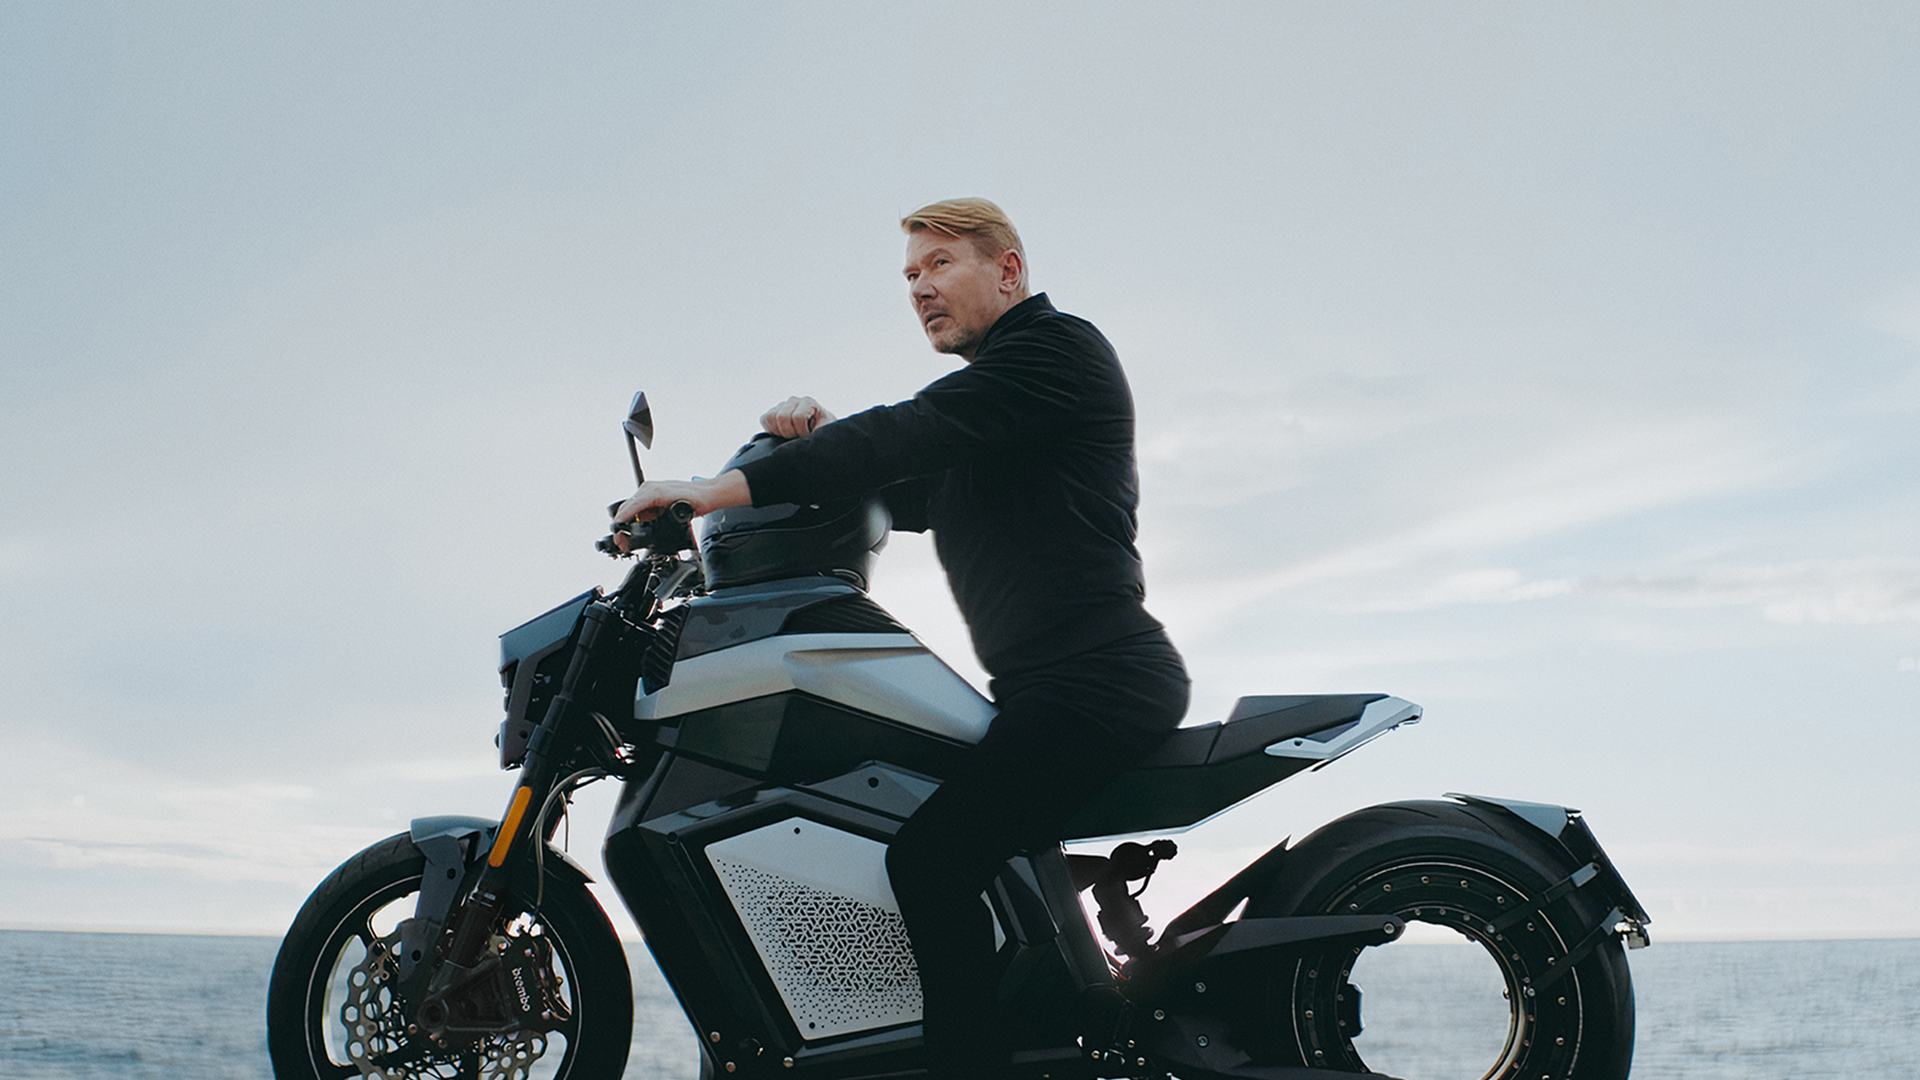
x: 1021, y: 463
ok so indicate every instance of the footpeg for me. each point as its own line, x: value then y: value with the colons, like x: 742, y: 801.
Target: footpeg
x: 1121, y: 918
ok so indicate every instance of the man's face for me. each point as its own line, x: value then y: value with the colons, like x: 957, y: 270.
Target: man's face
x: 957, y: 291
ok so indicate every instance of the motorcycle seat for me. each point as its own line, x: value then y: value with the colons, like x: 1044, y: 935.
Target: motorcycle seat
x: 1200, y: 771
x: 1257, y: 723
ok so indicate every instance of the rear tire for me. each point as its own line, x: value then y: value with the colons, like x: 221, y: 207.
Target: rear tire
x: 1461, y: 867
x: 327, y: 948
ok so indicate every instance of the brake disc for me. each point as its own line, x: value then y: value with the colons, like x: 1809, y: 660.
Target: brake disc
x: 376, y: 1026
x: 371, y: 1013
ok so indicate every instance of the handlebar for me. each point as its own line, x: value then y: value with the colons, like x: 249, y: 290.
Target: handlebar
x: 679, y: 511
x: 668, y: 532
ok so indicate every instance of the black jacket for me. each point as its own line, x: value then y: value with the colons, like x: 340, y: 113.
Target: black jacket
x: 1022, y: 465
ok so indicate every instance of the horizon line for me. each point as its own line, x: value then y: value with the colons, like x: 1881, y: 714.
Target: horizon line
x: 1729, y: 937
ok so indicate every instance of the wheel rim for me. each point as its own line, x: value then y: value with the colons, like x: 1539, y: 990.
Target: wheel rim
x: 1533, y: 1035
x: 342, y: 958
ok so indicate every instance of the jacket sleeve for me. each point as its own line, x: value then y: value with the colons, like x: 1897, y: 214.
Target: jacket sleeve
x: 907, y: 504
x: 1028, y: 386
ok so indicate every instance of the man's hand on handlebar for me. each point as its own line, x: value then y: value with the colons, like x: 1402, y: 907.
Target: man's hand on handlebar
x: 656, y: 496
x: 795, y: 417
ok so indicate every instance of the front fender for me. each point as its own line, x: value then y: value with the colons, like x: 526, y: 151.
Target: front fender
x: 452, y: 843
x: 434, y: 833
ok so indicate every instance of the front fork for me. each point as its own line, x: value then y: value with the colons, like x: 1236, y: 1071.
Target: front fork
x: 454, y: 998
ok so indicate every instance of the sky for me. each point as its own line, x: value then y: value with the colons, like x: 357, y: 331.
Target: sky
x: 1555, y: 367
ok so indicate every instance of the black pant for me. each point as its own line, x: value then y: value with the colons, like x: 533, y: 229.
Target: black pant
x: 1063, y: 733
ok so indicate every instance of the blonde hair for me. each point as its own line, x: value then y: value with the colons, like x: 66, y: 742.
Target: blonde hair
x: 979, y: 220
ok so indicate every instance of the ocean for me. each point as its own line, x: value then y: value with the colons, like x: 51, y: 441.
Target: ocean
x: 147, y: 1006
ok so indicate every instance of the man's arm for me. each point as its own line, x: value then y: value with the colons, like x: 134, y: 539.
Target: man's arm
x: 908, y: 504
x: 727, y: 489
x: 1026, y: 387
x: 791, y: 419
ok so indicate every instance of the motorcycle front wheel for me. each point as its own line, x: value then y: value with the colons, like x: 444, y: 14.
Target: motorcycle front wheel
x: 333, y: 1011
x: 1497, y: 1011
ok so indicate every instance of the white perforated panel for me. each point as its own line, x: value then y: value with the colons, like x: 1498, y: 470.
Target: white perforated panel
x: 817, y: 905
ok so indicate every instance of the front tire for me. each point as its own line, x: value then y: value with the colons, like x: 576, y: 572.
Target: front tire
x: 1462, y: 868
x: 330, y: 995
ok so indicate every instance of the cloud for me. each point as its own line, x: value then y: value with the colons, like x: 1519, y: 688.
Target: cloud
x: 427, y: 769
x: 1897, y: 313
x: 1418, y: 531
x: 1809, y: 591
x: 1886, y: 851
x: 20, y: 559
x: 1493, y: 585
x: 78, y: 810
x: 246, y: 832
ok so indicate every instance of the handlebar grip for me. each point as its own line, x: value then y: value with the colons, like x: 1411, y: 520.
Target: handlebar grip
x: 639, y: 535
x: 668, y: 528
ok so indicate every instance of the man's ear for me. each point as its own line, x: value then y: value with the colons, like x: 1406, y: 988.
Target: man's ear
x: 1012, y: 269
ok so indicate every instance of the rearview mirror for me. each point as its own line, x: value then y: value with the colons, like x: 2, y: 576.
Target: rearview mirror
x: 640, y: 420
x: 638, y: 425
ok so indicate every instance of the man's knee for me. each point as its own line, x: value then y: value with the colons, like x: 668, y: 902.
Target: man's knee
x: 913, y: 865
x: 926, y: 872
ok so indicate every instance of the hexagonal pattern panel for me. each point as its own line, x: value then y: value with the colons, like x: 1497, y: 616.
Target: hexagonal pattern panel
x: 817, y: 905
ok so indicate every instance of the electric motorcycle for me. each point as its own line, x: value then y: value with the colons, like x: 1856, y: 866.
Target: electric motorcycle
x: 772, y: 727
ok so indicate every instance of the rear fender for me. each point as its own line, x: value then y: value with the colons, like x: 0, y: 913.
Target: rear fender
x: 1566, y: 830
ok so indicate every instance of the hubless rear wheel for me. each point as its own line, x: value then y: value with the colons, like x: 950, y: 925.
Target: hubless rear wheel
x: 1463, y: 868
x: 334, y: 1011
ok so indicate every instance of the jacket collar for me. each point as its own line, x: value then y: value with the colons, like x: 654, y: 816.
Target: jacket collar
x: 1015, y: 317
